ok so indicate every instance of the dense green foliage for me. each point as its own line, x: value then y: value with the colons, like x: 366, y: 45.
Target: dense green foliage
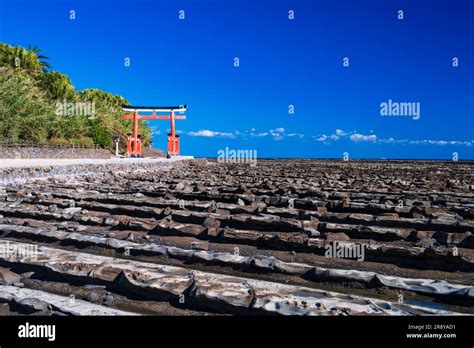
x: 43, y: 106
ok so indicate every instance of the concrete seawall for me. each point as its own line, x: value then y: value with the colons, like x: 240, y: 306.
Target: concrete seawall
x: 51, y: 152
x: 19, y: 170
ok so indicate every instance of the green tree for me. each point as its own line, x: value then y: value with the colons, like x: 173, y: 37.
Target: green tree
x: 109, y: 115
x: 57, y: 86
x: 100, y: 135
x: 29, y: 97
x: 24, y: 110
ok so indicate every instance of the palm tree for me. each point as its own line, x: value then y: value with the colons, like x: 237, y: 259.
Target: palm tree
x: 42, y: 59
x: 25, y: 59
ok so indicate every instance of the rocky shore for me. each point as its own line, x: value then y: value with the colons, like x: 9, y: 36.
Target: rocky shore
x: 195, y: 237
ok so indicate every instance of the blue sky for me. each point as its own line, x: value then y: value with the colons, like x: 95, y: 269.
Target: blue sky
x: 283, y: 62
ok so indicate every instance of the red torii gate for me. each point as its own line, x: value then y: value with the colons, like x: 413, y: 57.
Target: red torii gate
x: 134, y: 142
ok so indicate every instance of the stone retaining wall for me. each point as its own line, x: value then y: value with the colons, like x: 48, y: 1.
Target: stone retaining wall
x: 18, y: 175
x: 51, y: 152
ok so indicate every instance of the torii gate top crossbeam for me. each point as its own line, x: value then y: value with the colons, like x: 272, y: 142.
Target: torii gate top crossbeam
x: 180, y: 108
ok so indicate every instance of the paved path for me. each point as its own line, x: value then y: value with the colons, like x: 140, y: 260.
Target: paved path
x: 46, y: 162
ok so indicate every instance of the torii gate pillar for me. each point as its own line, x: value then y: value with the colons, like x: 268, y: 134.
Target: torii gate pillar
x: 173, y: 139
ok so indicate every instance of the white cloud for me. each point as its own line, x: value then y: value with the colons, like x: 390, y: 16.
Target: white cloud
x: 211, y: 134
x: 389, y: 140
x: 322, y: 137
x: 361, y: 137
x: 425, y: 142
x: 340, y: 132
x: 277, y: 136
x: 277, y: 133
